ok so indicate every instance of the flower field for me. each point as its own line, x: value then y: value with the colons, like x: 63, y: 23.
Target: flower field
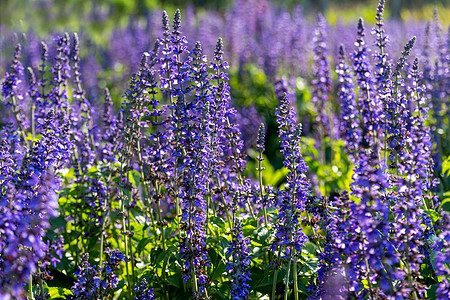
x: 277, y: 157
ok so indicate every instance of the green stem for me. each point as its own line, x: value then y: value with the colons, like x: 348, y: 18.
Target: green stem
x: 160, y: 221
x: 41, y: 284
x: 30, y: 287
x: 261, y: 187
x: 286, y: 284
x: 15, y: 109
x: 78, y: 197
x: 178, y: 211
x: 102, y: 238
x: 193, y: 275
x: 239, y: 176
x: 213, y: 207
x: 152, y: 221
x: 130, y: 241
x: 126, y: 252
x: 224, y: 204
x: 261, y: 191
x: 408, y: 267
x: 275, y: 275
x: 295, y: 275
x: 235, y: 154
x: 368, y: 278
x: 145, y: 187
x: 158, y: 203
x: 193, y: 279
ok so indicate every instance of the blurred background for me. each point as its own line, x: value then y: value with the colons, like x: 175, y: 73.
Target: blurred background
x: 101, y: 16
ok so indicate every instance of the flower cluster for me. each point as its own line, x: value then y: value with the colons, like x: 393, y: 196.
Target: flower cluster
x: 239, y: 267
x: 442, y: 257
x: 292, y: 199
x: 368, y: 104
x: 97, y: 283
x: 143, y: 292
x: 349, y: 119
x: 321, y: 82
x: 178, y: 181
x: 88, y: 280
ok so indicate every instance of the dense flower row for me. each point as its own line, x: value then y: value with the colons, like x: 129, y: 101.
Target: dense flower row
x: 164, y: 182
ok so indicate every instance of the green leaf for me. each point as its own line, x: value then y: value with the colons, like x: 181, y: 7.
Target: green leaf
x: 224, y: 243
x: 271, y: 210
x: 446, y: 166
x: 165, y: 254
x: 277, y: 176
x: 262, y: 281
x: 431, y: 292
x: 68, y: 173
x: 139, y: 216
x: 213, y: 254
x: 114, y: 215
x: 218, y: 222
x: 258, y: 276
x: 142, y: 244
x: 166, y: 261
x: 310, y: 247
x: 248, y: 230
x: 433, y: 214
x: 218, y: 270
x: 174, y: 280
x: 223, y: 292
x: 58, y: 292
x: 445, y: 205
x: 302, y: 285
x: 57, y: 222
x: 262, y: 234
x: 135, y: 178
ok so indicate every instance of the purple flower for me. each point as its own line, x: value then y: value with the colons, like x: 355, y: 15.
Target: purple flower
x: 292, y: 199
x: 321, y: 82
x: 349, y: 125
x: 442, y: 258
x: 87, y: 285
x: 12, y: 80
x: 143, y: 291
x: 397, y: 116
x: 368, y: 104
x: 239, y: 267
x: 110, y: 266
x: 382, y: 42
x: 11, y: 90
x: 230, y: 133
x: 110, y: 129
x: 58, y: 96
x: 28, y: 201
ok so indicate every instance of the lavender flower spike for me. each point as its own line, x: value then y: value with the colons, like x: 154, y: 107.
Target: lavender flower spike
x: 368, y: 104
x: 239, y: 267
x: 349, y: 125
x: 321, y: 73
x: 293, y: 198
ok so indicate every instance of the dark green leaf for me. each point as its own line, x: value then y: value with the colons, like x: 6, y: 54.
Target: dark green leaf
x: 142, y: 244
x: 218, y: 222
x: 445, y: 205
x: 174, y: 280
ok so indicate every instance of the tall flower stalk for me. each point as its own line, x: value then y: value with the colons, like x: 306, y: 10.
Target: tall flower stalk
x: 349, y: 123
x: 288, y: 232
